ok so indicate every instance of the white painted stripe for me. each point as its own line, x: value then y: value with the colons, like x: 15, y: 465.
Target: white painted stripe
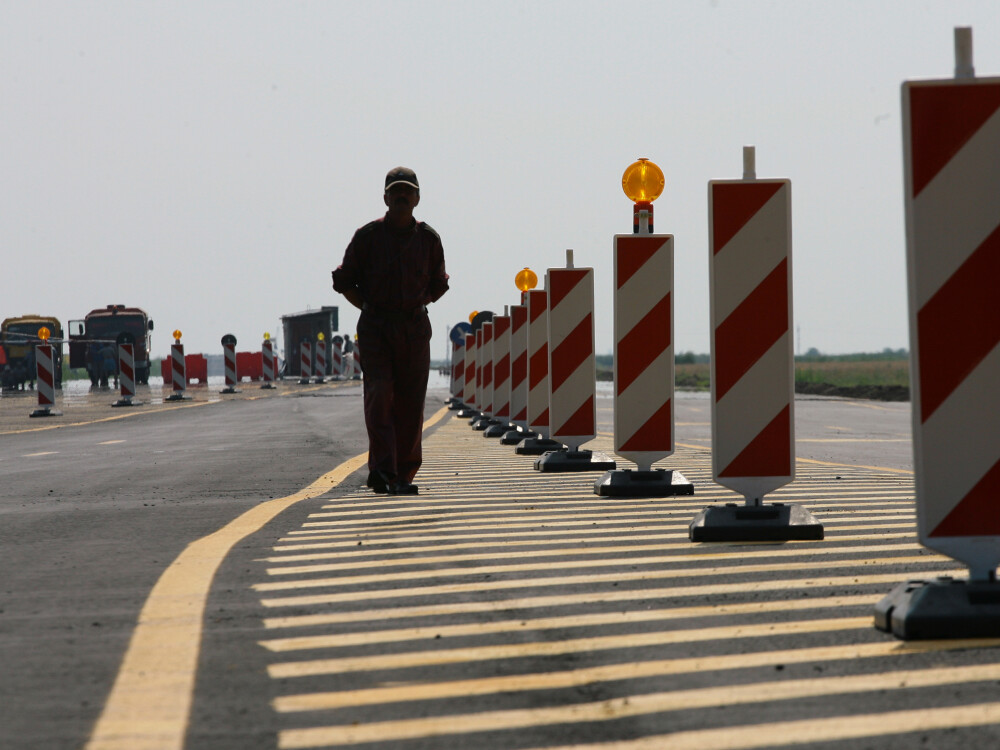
x: 753, y: 252
x: 957, y: 210
x: 644, y: 290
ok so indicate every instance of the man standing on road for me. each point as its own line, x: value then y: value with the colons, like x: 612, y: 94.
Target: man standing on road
x: 393, y: 268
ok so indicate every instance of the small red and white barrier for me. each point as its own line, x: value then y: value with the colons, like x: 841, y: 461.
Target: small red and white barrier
x: 126, y: 375
x: 337, y: 367
x: 178, y: 372
x: 319, y: 375
x: 45, y: 380
x: 305, y: 363
x: 229, y: 364
x: 572, y: 369
x: 538, y: 362
x: 753, y: 386
x: 501, y: 377
x: 485, y: 376
x: 519, y: 366
x: 458, y: 372
x: 469, y: 388
x: 951, y: 142
x: 268, y: 365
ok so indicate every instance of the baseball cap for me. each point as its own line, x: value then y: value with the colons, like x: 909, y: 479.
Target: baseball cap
x: 402, y: 175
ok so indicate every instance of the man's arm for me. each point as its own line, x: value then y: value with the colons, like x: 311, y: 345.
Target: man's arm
x: 345, y: 276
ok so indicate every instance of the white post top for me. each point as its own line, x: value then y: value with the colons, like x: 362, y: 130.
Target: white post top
x: 506, y: 310
x: 963, y: 52
x: 749, y: 162
x: 569, y: 259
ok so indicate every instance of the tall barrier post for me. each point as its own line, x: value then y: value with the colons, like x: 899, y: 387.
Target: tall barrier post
x: 305, y: 362
x: 501, y: 376
x: 951, y: 142
x: 229, y: 357
x: 338, y: 364
x: 644, y: 348
x: 126, y: 370
x: 538, y: 376
x: 753, y: 386
x: 518, y: 376
x: 178, y: 371
x: 267, y: 362
x: 319, y: 374
x: 457, y: 335
x: 486, y: 357
x: 471, y: 408
x: 572, y: 370
x: 45, y: 361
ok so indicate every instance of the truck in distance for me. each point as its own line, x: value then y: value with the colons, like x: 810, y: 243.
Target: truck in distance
x: 93, y: 342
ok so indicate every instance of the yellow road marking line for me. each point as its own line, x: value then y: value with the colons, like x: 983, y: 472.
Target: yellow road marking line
x: 801, y: 732
x: 410, y: 591
x: 40, y: 453
x: 637, y: 705
x: 123, y: 415
x: 623, y: 544
x: 150, y: 702
x: 111, y: 442
x: 693, y: 555
x: 671, y: 593
x: 412, y: 659
x: 685, y: 567
x: 678, y: 700
x: 524, y: 624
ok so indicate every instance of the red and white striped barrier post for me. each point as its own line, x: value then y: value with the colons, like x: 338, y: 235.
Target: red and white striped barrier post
x: 486, y: 369
x: 229, y: 363
x: 457, y: 337
x: 126, y: 374
x: 753, y: 385
x: 518, y: 376
x: 267, y: 362
x: 501, y: 377
x: 572, y: 370
x: 178, y: 371
x: 951, y: 139
x: 305, y: 363
x: 319, y: 369
x: 45, y: 376
x: 469, y: 390
x: 538, y: 377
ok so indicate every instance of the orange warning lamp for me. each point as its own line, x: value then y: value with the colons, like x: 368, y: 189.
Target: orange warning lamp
x: 642, y: 182
x: 320, y: 336
x: 526, y: 280
x: 473, y: 314
x: 267, y: 336
x: 44, y: 333
x: 177, y: 337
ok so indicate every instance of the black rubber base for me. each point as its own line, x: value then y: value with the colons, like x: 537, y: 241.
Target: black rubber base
x: 126, y: 402
x: 44, y: 412
x: 513, y: 437
x: 655, y: 483
x: 497, y: 430
x: 943, y: 608
x: 566, y: 460
x: 229, y: 390
x: 454, y: 404
x: 305, y: 381
x: 483, y: 423
x: 537, y: 446
x: 468, y: 413
x: 267, y: 387
x: 771, y: 522
x: 177, y: 397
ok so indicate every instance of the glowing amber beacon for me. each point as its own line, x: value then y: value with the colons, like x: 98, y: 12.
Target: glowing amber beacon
x: 267, y: 335
x: 44, y: 333
x: 177, y: 337
x: 472, y: 315
x: 320, y: 336
x: 526, y: 279
x: 643, y: 181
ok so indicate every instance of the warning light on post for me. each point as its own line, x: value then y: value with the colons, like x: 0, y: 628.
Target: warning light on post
x: 177, y: 337
x: 320, y: 336
x: 267, y: 335
x: 472, y: 315
x: 44, y: 333
x: 526, y: 280
x: 642, y: 182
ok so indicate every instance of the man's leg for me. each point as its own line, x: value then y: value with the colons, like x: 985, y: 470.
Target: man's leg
x: 378, y: 400
x: 411, y: 391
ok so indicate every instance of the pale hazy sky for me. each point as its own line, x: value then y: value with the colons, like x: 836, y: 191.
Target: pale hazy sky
x: 209, y: 161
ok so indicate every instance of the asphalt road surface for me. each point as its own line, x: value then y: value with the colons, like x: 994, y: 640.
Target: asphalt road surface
x: 284, y: 606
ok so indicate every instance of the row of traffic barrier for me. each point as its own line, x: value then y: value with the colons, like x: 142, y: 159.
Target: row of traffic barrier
x: 529, y: 375
x: 181, y: 369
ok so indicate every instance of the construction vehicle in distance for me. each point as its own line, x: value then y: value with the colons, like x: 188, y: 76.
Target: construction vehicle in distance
x: 93, y: 342
x: 18, y: 338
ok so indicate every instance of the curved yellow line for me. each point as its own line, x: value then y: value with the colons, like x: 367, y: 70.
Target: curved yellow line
x: 150, y: 702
